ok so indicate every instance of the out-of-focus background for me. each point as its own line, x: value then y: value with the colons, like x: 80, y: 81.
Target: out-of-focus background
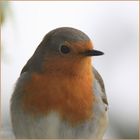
x: 112, y: 26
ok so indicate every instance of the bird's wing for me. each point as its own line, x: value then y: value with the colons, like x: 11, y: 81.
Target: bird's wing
x: 101, y: 83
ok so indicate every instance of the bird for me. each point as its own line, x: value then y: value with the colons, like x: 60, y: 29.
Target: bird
x: 59, y: 94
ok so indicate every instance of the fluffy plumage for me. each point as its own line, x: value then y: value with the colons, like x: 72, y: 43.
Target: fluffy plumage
x: 59, y: 95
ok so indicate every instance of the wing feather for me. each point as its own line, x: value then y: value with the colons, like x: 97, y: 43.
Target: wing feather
x: 100, y: 80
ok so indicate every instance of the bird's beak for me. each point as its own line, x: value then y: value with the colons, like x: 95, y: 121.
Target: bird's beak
x: 92, y: 53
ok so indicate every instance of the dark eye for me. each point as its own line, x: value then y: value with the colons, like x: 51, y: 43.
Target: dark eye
x: 64, y: 49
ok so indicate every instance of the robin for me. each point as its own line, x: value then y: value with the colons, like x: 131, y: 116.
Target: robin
x: 59, y: 94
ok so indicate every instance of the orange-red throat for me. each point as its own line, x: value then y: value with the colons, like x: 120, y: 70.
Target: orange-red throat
x: 65, y: 86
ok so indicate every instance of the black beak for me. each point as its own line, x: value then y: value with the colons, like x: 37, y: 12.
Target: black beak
x: 92, y: 53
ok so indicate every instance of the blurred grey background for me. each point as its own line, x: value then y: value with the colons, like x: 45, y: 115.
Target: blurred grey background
x: 112, y: 26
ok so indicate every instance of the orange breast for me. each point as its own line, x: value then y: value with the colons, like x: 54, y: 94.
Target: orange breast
x: 71, y: 97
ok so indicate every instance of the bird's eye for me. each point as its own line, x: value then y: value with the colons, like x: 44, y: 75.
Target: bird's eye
x: 64, y: 49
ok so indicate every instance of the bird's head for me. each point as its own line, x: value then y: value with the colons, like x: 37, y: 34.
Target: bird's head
x: 64, y: 49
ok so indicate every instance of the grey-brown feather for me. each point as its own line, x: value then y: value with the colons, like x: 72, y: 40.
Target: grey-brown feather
x: 100, y: 80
